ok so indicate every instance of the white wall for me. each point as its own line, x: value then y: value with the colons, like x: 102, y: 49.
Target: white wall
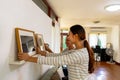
x: 115, y: 39
x: 57, y: 38
x: 24, y: 14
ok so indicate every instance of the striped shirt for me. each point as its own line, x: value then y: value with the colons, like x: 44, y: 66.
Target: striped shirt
x: 76, y: 60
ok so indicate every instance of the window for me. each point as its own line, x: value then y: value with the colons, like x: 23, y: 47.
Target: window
x: 98, y: 39
x: 64, y: 34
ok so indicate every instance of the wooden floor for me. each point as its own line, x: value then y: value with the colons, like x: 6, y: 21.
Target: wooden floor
x: 104, y: 71
x: 107, y: 71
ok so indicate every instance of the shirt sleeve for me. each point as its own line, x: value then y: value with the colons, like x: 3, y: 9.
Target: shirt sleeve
x: 64, y: 52
x: 72, y: 58
x: 52, y: 54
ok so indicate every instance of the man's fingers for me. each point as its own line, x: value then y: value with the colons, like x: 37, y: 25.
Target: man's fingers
x: 20, y: 56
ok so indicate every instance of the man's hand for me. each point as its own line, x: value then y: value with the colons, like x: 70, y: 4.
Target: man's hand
x: 23, y: 56
x: 47, y: 48
x: 43, y: 53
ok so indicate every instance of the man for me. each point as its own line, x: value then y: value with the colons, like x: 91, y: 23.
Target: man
x: 70, y: 46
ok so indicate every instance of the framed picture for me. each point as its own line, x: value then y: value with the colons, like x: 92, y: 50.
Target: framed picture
x: 40, y: 41
x: 25, y: 41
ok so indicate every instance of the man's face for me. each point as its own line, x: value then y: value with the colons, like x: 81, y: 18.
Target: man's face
x: 71, y: 37
x: 68, y: 42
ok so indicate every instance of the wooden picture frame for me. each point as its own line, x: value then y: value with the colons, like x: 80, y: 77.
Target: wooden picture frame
x: 25, y: 41
x: 40, y: 42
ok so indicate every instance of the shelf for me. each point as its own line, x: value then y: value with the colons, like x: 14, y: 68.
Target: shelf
x: 17, y: 62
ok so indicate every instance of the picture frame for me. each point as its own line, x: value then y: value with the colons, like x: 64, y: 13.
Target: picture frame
x: 40, y: 42
x: 26, y: 42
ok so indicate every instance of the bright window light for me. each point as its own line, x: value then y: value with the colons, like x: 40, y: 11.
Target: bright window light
x: 94, y: 38
x: 113, y: 7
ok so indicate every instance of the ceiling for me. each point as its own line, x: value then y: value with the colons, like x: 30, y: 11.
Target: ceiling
x: 85, y: 12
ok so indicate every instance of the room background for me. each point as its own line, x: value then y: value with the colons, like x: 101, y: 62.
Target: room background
x: 26, y: 14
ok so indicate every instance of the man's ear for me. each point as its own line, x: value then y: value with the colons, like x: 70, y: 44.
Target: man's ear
x: 76, y: 36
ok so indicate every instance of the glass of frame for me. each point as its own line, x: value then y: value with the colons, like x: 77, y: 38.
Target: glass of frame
x: 25, y: 41
x: 40, y: 42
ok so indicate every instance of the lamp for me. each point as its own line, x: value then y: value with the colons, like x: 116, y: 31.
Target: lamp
x: 113, y: 7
